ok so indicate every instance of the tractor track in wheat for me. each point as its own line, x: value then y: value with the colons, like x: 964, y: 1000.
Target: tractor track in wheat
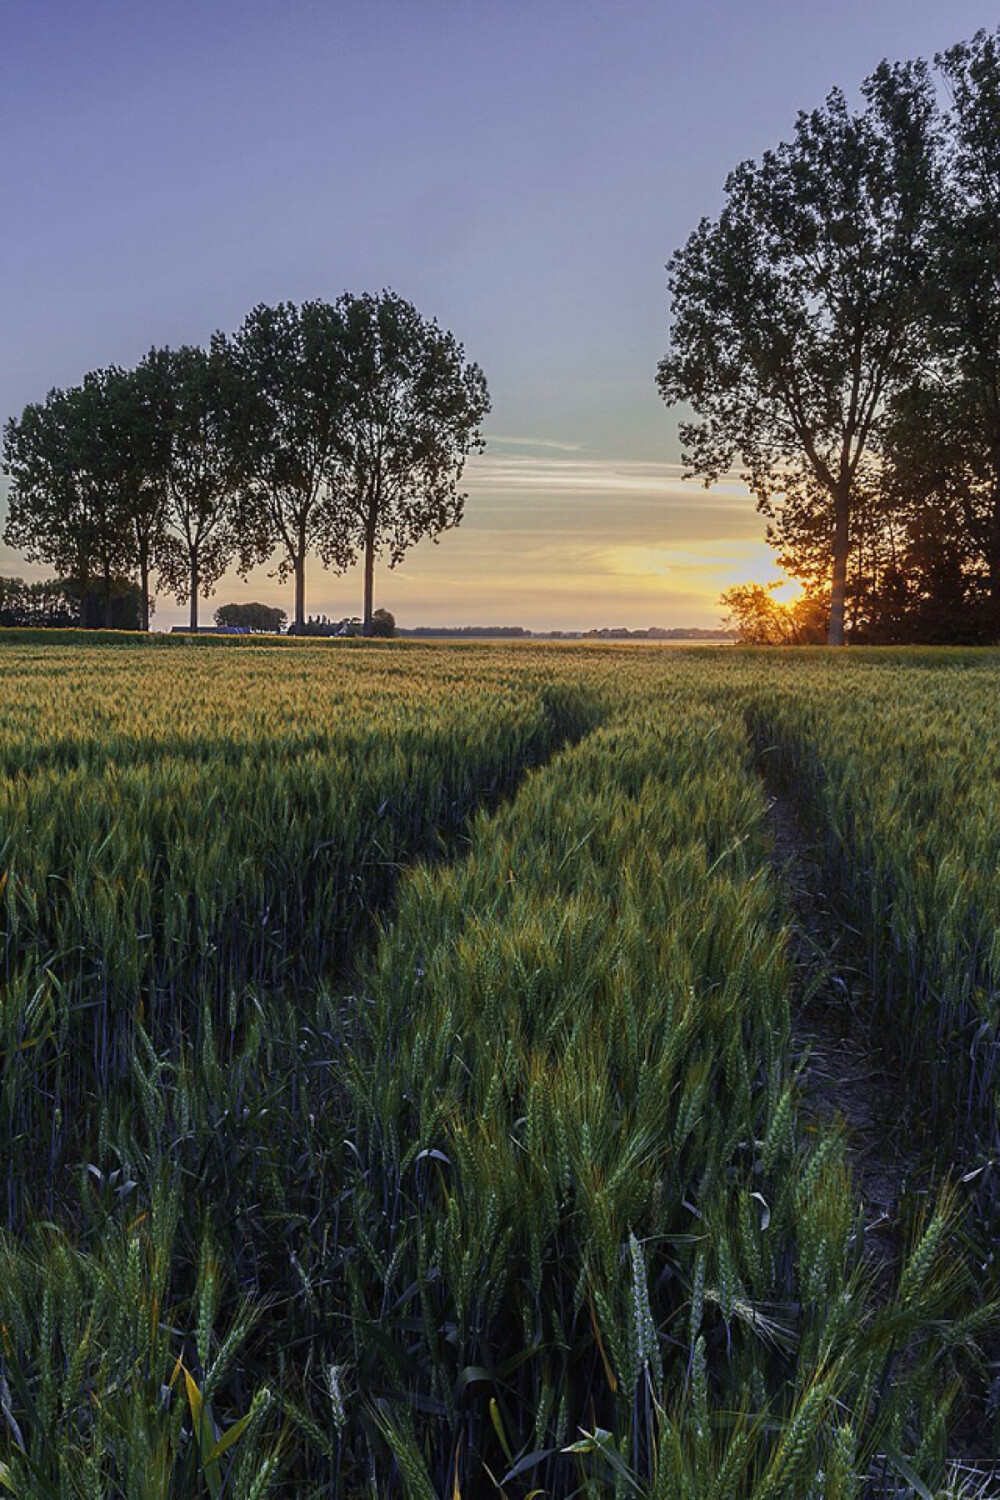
x: 846, y: 1078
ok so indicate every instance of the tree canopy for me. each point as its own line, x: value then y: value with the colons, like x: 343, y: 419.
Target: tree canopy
x: 53, y: 515
x: 794, y: 311
x: 290, y: 361
x: 202, y: 427
x: 943, y: 439
x: 411, y: 416
x: 254, y: 617
x: 128, y: 455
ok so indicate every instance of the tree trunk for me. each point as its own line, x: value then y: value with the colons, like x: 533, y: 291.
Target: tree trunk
x: 838, y: 588
x: 366, y: 628
x: 993, y: 561
x: 143, y: 592
x: 193, y: 625
x: 108, y: 603
x: 300, y: 592
x: 84, y: 583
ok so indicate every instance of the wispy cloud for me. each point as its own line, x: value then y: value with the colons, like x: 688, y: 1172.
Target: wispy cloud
x: 526, y: 442
x: 522, y: 472
x: 552, y: 538
x: 532, y: 501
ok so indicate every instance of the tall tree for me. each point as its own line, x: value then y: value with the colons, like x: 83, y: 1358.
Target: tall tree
x: 943, y: 441
x: 55, y: 512
x: 291, y: 360
x: 137, y: 441
x: 99, y: 445
x: 130, y: 451
x: 203, y: 466
x: 794, y: 312
x: 413, y: 406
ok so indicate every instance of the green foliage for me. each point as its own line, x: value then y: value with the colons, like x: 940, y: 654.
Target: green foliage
x: 55, y: 604
x: 93, y: 1361
x: 56, y: 513
x: 836, y: 332
x: 88, y: 494
x: 944, y: 438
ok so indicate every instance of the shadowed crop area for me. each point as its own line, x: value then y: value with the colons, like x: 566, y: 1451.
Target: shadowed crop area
x: 399, y: 1093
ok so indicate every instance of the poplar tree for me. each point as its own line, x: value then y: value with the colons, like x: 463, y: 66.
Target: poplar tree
x: 411, y: 415
x: 56, y: 512
x: 290, y: 361
x: 202, y: 466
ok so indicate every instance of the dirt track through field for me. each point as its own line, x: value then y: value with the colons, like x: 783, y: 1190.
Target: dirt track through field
x: 845, y: 1076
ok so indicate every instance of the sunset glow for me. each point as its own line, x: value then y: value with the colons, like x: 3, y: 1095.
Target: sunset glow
x: 522, y: 177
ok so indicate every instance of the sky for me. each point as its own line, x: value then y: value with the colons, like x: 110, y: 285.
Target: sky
x: 519, y: 169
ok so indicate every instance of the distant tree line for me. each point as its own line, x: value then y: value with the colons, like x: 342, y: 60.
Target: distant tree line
x: 653, y: 633
x: 382, y: 624
x: 497, y: 632
x: 56, y: 603
x: 836, y: 335
x: 256, y: 618
x: 337, y: 430
x: 521, y: 632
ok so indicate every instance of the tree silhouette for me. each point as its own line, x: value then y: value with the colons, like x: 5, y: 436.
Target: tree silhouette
x: 291, y: 363
x: 202, y: 419
x: 794, y: 313
x: 411, y: 417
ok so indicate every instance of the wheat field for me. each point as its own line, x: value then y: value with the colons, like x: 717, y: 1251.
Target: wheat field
x: 400, y: 1085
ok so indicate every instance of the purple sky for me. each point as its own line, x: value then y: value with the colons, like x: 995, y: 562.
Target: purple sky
x: 520, y: 169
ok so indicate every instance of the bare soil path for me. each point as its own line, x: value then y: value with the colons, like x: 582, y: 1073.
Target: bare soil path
x: 845, y: 1077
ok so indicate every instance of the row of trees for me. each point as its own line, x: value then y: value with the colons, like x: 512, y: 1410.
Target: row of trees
x: 836, y: 333
x: 57, y: 603
x: 339, y: 430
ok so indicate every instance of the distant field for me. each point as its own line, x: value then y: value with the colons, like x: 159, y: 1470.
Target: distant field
x: 401, y: 1085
